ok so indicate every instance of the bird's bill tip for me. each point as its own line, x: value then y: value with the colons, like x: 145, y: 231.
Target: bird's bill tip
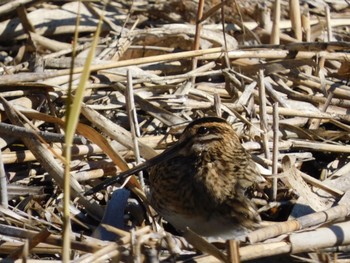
x: 101, y: 186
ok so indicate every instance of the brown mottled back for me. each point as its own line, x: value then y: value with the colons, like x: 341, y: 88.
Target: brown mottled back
x: 202, y: 181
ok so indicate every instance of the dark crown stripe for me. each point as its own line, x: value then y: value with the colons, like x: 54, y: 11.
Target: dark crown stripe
x: 205, y: 120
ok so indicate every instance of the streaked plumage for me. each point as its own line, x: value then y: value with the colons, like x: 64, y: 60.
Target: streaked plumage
x: 203, y: 182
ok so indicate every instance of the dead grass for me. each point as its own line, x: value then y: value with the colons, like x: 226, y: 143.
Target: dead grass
x: 286, y: 93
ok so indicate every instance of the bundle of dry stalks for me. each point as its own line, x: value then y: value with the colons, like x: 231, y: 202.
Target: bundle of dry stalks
x: 277, y: 70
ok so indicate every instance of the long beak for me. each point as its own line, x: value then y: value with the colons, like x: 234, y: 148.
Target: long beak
x: 166, y: 155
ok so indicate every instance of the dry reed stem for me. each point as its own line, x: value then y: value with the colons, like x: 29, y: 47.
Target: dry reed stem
x: 295, y: 18
x: 275, y: 34
x: 275, y: 149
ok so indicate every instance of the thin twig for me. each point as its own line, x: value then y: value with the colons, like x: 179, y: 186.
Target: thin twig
x: 275, y: 149
x: 135, y: 132
x: 263, y: 113
x: 197, y: 37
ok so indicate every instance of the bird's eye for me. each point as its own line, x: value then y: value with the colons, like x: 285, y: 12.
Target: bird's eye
x: 203, y: 130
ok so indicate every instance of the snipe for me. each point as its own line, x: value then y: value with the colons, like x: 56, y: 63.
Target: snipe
x: 203, y: 182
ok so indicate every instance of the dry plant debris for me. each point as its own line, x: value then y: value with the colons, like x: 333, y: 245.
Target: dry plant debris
x: 279, y: 73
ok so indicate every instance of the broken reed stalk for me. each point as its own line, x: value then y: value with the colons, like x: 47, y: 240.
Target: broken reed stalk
x: 197, y: 34
x: 275, y: 34
x: 295, y: 18
x: 305, y: 22
x: 263, y: 114
x: 275, y: 150
x: 329, y: 23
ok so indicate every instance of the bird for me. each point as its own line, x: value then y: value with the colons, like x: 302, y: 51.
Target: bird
x: 203, y: 182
